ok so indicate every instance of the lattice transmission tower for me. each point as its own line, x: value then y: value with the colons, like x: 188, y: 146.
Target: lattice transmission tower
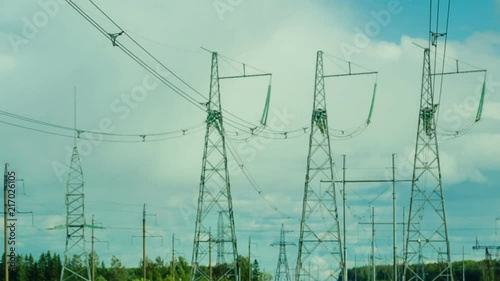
x: 319, y: 238
x: 427, y: 230
x: 76, y: 265
x: 215, y: 193
x: 215, y: 207
x: 282, y: 270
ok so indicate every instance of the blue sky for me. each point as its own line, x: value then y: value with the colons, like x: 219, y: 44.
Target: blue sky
x: 282, y: 37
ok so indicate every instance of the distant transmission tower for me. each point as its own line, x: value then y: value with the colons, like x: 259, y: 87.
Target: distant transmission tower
x: 282, y: 270
x: 220, y: 239
x: 319, y: 238
x: 215, y: 193
x: 427, y: 230
x: 76, y: 265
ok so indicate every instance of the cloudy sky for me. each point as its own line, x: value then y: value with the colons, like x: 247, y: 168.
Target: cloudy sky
x: 47, y: 49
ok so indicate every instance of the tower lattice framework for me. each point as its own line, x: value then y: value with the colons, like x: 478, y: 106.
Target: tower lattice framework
x: 319, y: 238
x: 214, y: 194
x: 282, y: 269
x: 427, y: 239
x: 76, y: 265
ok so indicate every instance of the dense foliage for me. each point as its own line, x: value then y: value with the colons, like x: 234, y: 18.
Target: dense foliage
x: 471, y: 270
x: 48, y: 268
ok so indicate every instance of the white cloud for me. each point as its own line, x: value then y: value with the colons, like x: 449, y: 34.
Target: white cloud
x: 121, y: 177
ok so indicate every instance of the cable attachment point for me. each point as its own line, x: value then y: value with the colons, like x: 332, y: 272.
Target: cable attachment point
x: 252, y: 129
x: 113, y: 37
x: 435, y: 36
x: 143, y: 137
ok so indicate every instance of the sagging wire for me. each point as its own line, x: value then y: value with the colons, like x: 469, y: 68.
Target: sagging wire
x: 98, y: 136
x: 114, y: 36
x: 351, y: 133
x: 451, y: 134
x: 254, y: 183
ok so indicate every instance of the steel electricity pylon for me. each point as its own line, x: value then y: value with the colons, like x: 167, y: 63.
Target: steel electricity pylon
x: 215, y: 207
x: 282, y: 270
x: 76, y: 265
x: 319, y: 238
x: 427, y: 230
x: 215, y: 192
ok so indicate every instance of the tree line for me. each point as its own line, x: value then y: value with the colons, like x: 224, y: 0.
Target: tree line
x: 485, y: 270
x: 49, y: 265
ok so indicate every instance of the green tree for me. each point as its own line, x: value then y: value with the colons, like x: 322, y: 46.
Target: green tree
x: 244, y: 264
x: 153, y: 269
x: 183, y: 270
x: 33, y: 269
x: 117, y: 270
x: 22, y: 269
x: 100, y: 278
x: 255, y: 271
x: 264, y: 276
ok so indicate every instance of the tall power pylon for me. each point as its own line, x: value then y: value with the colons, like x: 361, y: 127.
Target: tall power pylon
x: 215, y: 192
x: 282, y: 270
x: 76, y: 265
x: 319, y: 238
x: 427, y: 230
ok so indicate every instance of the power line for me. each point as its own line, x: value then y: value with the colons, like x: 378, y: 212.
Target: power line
x: 249, y: 127
x: 141, y: 62
x: 148, y: 68
x: 48, y: 124
x: 254, y: 184
x: 140, y: 137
